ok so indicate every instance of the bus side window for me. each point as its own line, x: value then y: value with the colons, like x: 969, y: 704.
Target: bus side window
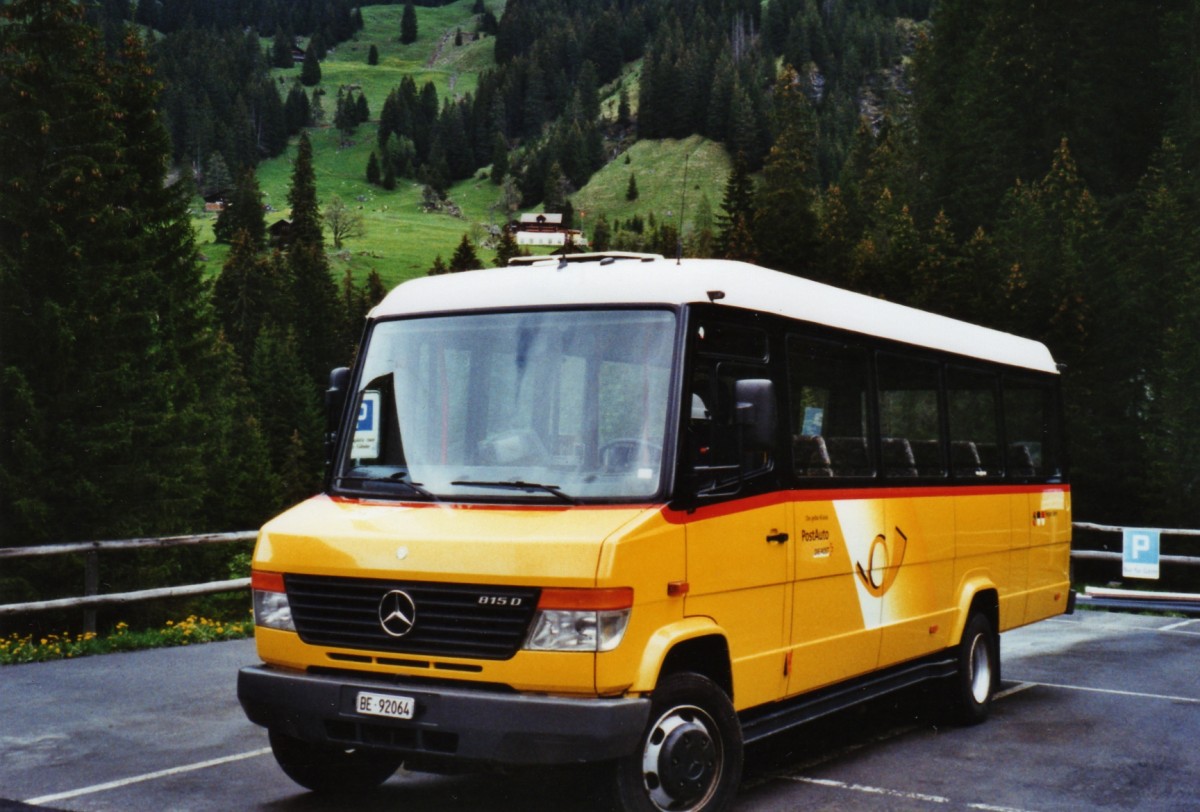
x: 714, y: 435
x: 827, y: 383
x: 909, y: 422
x: 973, y: 401
x: 1031, y: 428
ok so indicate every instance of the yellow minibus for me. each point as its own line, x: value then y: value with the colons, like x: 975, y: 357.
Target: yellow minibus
x: 641, y: 512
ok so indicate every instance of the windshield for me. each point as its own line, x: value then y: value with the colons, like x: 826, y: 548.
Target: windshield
x: 543, y: 405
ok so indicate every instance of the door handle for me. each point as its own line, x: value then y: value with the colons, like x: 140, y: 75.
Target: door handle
x: 777, y: 538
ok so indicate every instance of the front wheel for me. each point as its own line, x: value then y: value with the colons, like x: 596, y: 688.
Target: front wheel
x: 690, y: 756
x: 328, y: 768
x: 978, y: 669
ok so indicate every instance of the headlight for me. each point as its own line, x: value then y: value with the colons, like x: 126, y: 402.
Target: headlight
x: 580, y: 620
x: 271, y: 607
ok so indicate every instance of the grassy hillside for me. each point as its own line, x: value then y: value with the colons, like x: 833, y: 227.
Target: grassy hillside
x: 659, y: 169
x: 400, y: 239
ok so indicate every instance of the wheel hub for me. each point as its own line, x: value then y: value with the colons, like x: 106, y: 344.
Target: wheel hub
x: 687, y: 763
x: 681, y: 762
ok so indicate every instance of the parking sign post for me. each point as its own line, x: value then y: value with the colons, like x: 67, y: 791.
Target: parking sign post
x: 1140, y: 554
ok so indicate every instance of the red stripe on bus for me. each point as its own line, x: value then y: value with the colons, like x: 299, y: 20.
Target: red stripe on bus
x: 852, y: 494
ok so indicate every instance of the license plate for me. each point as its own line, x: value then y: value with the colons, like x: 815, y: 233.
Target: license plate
x: 389, y: 705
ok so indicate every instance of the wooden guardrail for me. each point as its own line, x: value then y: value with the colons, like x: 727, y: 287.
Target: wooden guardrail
x: 1105, y: 555
x: 91, y: 573
x: 91, y: 550
x: 1138, y: 599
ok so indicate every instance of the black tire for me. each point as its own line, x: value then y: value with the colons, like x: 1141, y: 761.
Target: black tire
x: 690, y: 756
x: 978, y: 672
x: 328, y: 768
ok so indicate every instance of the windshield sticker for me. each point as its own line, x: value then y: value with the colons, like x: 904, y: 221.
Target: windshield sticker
x: 814, y: 418
x: 366, y: 430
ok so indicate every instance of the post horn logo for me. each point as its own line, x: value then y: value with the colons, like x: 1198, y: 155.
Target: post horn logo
x: 397, y: 613
x: 883, y: 564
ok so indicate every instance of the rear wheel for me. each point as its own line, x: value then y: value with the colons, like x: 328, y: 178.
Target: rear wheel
x: 329, y: 768
x: 690, y: 756
x: 978, y: 669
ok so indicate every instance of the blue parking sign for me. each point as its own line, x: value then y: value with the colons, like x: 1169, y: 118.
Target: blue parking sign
x: 366, y: 429
x: 366, y: 415
x: 1139, y: 558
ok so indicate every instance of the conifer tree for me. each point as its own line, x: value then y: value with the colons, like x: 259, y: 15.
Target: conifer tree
x: 346, y: 115
x: 249, y: 294
x: 243, y: 212
x: 624, y: 116
x: 373, y: 55
x: 889, y: 253
x: 464, y: 257
x: 289, y: 412
x: 1050, y: 233
x: 296, y: 113
x: 373, y: 177
x: 269, y: 122
x: 281, y: 50
x: 785, y: 225
x: 105, y: 329
x: 310, y: 71
x: 735, y: 239
x: 408, y: 24
x: 1147, y: 385
x: 506, y: 248
x: 554, y: 196
x: 375, y: 289
x: 313, y: 292
x: 217, y: 181
x: 631, y: 189
x: 302, y: 197
x: 601, y: 234
x: 354, y: 309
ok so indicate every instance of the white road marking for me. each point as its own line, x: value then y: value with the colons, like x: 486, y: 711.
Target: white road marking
x: 981, y: 807
x: 887, y: 793
x: 1016, y: 689
x: 895, y: 793
x: 137, y: 779
x: 1177, y: 626
x: 1133, y: 694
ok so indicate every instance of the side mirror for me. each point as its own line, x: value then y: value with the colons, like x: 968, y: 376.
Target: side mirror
x: 757, y: 413
x: 335, y: 403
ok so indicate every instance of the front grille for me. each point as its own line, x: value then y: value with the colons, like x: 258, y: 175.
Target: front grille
x: 451, y: 620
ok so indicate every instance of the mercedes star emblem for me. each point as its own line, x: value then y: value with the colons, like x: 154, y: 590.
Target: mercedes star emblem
x: 397, y: 613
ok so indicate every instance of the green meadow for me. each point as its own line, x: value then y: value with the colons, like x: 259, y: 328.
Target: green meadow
x: 400, y: 240
x: 659, y: 168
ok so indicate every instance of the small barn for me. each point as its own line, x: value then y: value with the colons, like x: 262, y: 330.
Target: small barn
x: 545, y: 228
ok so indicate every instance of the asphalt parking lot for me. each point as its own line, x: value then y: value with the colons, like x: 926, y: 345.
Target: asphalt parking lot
x: 1098, y: 711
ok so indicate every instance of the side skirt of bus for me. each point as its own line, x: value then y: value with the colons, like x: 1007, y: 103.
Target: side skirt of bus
x: 759, y: 723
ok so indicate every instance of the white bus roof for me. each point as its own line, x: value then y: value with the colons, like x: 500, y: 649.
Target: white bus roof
x: 649, y: 279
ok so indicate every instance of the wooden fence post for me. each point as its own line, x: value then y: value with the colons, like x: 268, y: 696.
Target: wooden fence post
x: 91, y: 586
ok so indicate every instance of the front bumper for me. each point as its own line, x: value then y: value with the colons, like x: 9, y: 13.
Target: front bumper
x: 449, y: 723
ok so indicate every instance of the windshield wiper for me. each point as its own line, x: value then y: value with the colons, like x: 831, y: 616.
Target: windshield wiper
x: 398, y: 478
x: 415, y: 487
x: 518, y: 485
